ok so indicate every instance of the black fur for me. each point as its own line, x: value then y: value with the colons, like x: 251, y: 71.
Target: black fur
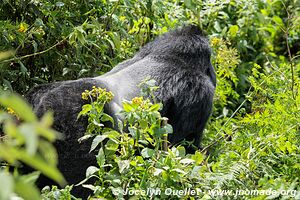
x: 180, y: 63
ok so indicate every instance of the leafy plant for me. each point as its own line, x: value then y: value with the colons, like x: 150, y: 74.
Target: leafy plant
x: 25, y: 140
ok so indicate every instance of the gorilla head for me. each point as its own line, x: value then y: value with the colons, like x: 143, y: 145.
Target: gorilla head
x: 179, y: 61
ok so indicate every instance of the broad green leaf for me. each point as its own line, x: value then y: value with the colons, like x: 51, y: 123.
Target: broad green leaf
x: 105, y: 117
x: 127, y: 107
x: 91, y: 170
x: 278, y: 20
x: 6, y: 185
x: 123, y: 165
x: 188, y: 3
x: 132, y: 131
x: 47, y: 133
x: 233, y: 30
x: 154, y: 107
x: 23, y: 69
x: 100, y: 157
x: 7, y: 84
x: 180, y: 151
x: 31, y: 137
x: 48, y: 152
x: 147, y: 153
x: 10, y: 129
x: 20, y: 107
x: 111, y: 145
x: 35, y: 162
x: 47, y: 119
x: 30, y: 178
x: 157, y: 171
x: 59, y: 4
x: 97, y: 140
x: 85, y: 137
x: 198, y: 157
x: 85, y: 109
x: 26, y: 190
x: 6, y: 54
x: 168, y: 128
x: 143, y: 124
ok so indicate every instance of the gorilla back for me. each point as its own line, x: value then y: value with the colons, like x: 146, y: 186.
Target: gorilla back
x: 180, y: 63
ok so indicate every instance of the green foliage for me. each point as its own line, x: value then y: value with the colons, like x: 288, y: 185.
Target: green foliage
x: 260, y: 150
x: 126, y: 161
x: 95, y: 110
x: 28, y: 140
x: 225, y: 60
x: 57, y: 194
x: 253, y: 135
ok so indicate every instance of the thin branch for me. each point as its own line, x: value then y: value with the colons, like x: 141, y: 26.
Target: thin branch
x: 291, y: 64
x: 34, y: 54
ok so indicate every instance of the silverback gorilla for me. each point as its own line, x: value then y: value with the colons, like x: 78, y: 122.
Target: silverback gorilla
x: 179, y: 61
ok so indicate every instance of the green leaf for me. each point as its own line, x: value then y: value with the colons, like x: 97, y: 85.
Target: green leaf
x: 91, y: 170
x: 59, y: 4
x: 157, y: 171
x: 180, y: 151
x: 188, y: 3
x: 127, y: 107
x: 110, y: 42
x: 100, y: 157
x: 85, y: 137
x: 20, y: 107
x: 30, y: 178
x: 116, y: 40
x: 7, y: 84
x: 38, y: 22
x: 48, y: 152
x: 31, y: 137
x: 132, y: 131
x: 27, y: 191
x: 85, y: 109
x: 154, y: 107
x: 97, y: 123
x: 179, y: 171
x: 112, y: 134
x: 217, y: 26
x: 198, y: 157
x: 123, y: 165
x: 47, y: 133
x: 35, y: 162
x: 278, y: 20
x: 105, y: 117
x: 47, y: 119
x: 23, y: 69
x: 186, y: 161
x: 80, y: 37
x: 97, y: 140
x: 233, y: 30
x: 10, y: 129
x: 6, y: 185
x: 168, y: 128
x: 6, y: 54
x: 143, y: 124
x: 147, y: 153
x: 111, y: 145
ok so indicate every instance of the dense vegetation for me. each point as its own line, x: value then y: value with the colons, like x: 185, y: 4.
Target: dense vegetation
x: 252, y: 139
